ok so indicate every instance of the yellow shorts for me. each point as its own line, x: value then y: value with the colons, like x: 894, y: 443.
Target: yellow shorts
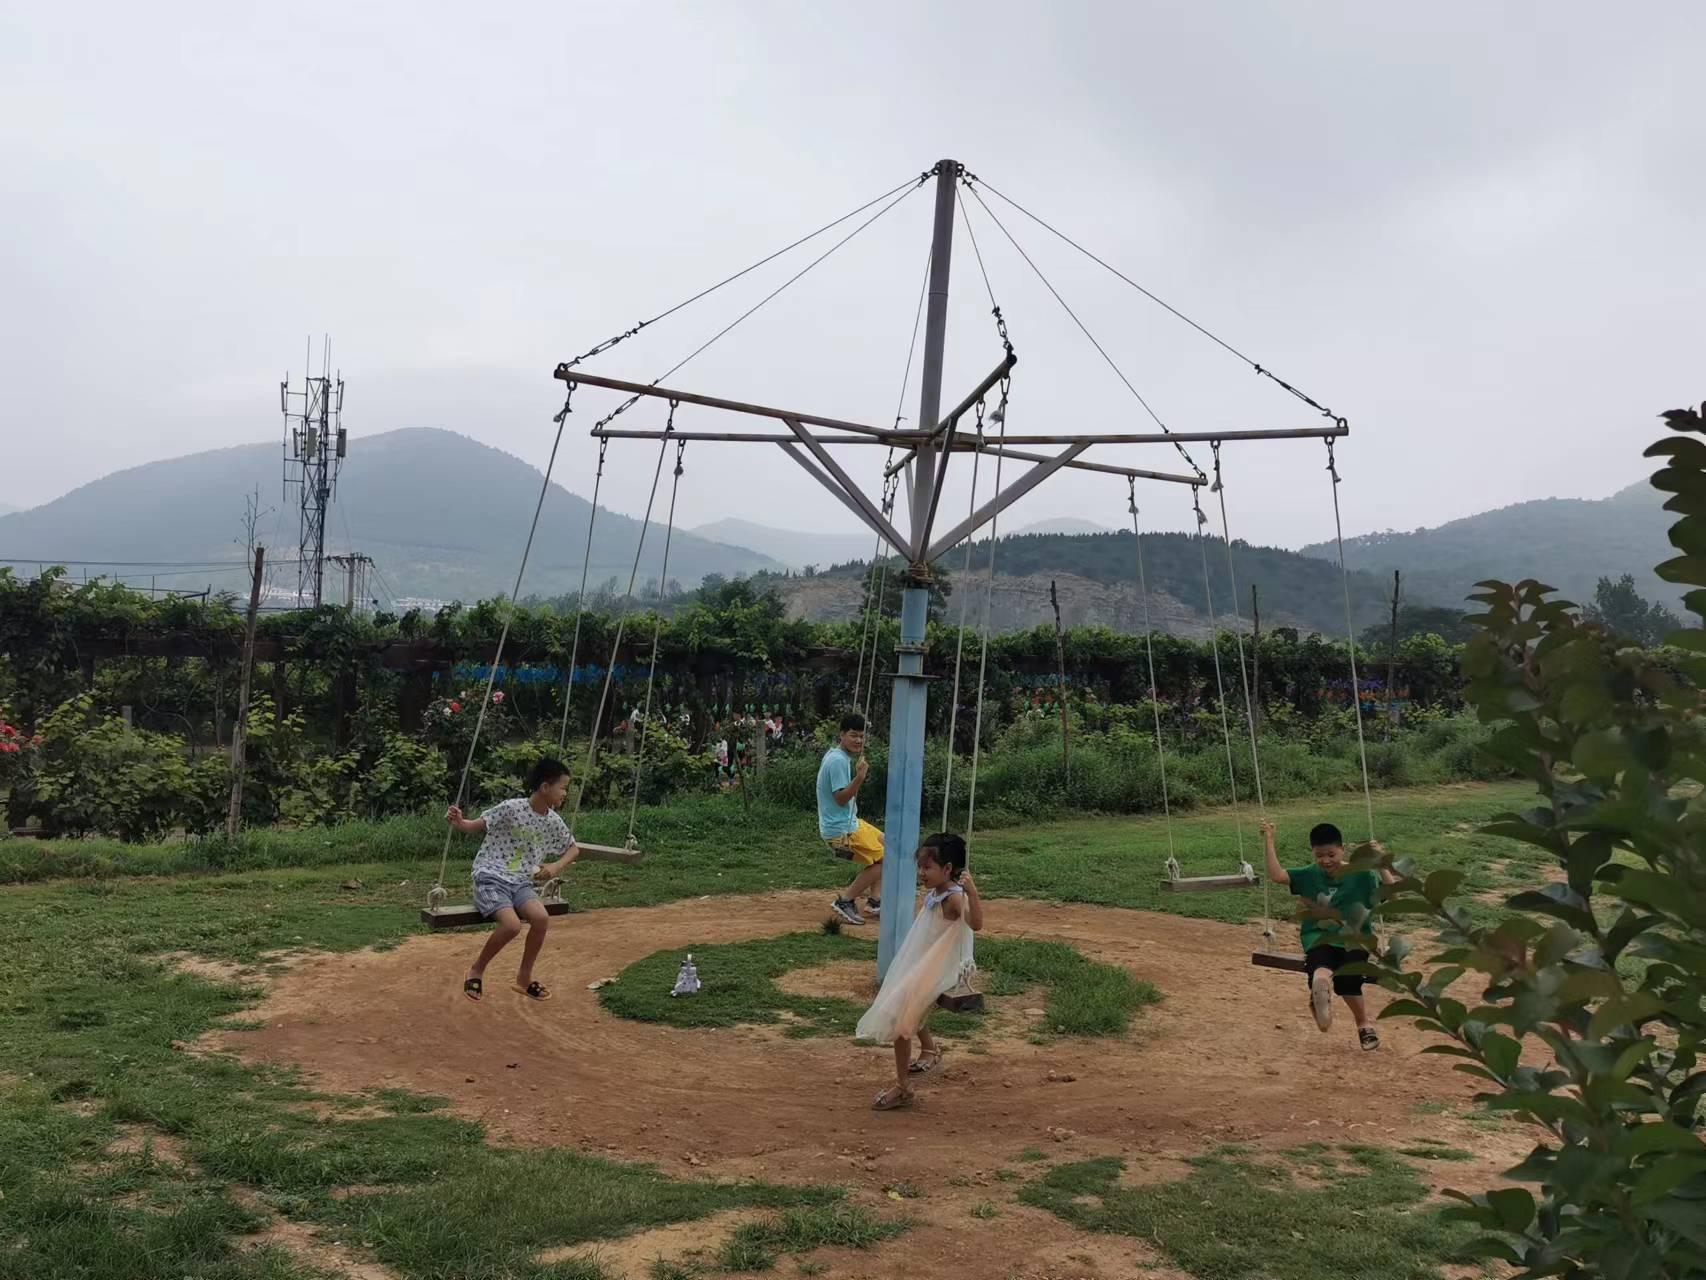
x: 863, y: 846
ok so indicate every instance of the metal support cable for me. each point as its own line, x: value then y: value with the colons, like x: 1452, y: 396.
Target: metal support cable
x: 1219, y: 682
x: 622, y: 622
x: 1154, y: 693
x: 616, y: 339
x: 960, y: 643
x: 437, y: 892
x: 657, y: 638
x: 631, y: 401
x: 580, y: 600
x: 1351, y: 641
x: 973, y: 181
x: 1084, y: 329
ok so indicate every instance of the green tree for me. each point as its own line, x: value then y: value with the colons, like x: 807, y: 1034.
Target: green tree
x: 1584, y: 1009
x: 891, y: 581
x: 1620, y: 609
x: 1418, y: 620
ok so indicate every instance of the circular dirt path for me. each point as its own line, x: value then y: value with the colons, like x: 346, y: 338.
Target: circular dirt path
x: 1229, y: 1055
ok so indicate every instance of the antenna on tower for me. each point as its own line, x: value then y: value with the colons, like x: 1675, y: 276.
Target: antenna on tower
x: 315, y: 444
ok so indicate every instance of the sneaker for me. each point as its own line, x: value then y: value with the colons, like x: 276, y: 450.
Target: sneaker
x: 1321, y: 999
x: 1368, y: 1037
x: 847, y: 911
x: 874, y: 906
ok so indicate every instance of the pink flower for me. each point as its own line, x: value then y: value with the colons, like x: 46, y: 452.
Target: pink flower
x: 498, y: 696
x: 455, y: 706
x: 8, y: 748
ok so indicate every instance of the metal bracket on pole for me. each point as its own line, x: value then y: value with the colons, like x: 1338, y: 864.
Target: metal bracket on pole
x: 873, y: 517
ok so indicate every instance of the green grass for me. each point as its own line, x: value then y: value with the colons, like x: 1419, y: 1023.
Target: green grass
x: 89, y: 1014
x: 756, y: 1246
x: 1236, y: 1218
x: 1084, y: 998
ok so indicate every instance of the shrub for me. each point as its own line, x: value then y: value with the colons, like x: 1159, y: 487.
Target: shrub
x: 1590, y: 1012
x: 100, y: 775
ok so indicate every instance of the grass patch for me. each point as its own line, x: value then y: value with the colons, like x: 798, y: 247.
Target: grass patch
x: 756, y: 1246
x: 740, y: 989
x: 1030, y: 1155
x: 1426, y: 1150
x: 1235, y: 1218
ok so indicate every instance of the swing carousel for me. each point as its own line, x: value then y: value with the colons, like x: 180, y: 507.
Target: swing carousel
x: 917, y: 462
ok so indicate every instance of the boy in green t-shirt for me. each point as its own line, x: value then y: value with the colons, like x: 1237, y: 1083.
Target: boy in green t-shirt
x: 1340, y: 902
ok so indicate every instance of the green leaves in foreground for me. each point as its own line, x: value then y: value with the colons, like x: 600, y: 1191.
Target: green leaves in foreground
x: 1587, y: 1010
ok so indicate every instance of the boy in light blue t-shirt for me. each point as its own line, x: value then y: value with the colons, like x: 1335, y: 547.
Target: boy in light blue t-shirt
x: 848, y: 835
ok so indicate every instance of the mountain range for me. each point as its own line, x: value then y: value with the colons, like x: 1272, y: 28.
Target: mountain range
x: 1568, y: 543
x: 439, y: 539
x: 443, y: 517
x: 799, y: 548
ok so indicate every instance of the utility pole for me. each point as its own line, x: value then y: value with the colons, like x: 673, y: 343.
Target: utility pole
x: 355, y: 566
x: 240, y: 730
x: 905, y: 782
x: 315, y: 445
x: 1060, y: 672
x: 1392, y: 715
x: 1255, y: 658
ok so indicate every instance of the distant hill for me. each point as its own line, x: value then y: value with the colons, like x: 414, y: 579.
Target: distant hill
x: 1097, y: 578
x: 443, y: 516
x: 1060, y: 524
x: 793, y: 548
x: 1568, y: 543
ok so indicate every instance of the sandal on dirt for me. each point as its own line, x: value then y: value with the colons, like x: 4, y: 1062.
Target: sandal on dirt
x: 534, y: 990
x: 892, y: 1098
x: 473, y: 988
x: 925, y: 1063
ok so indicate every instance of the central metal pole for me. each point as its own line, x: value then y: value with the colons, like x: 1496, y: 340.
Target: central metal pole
x: 909, y: 703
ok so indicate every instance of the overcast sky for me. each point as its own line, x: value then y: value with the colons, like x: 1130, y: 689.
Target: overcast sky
x: 1473, y: 229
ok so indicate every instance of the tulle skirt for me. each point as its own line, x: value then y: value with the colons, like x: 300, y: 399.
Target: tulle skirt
x: 936, y: 952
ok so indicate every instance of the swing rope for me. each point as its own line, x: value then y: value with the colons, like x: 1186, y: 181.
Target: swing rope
x: 1350, y: 639
x: 988, y: 598
x: 622, y: 619
x: 437, y: 893
x: 1218, y: 488
x: 580, y: 600
x: 960, y: 643
x: 1154, y: 693
x: 657, y: 637
x: 1219, y: 681
x: 890, y: 483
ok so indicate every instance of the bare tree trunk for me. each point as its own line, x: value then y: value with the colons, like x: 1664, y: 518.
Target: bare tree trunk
x: 1255, y: 659
x: 1392, y: 714
x: 240, y: 729
x: 1060, y: 668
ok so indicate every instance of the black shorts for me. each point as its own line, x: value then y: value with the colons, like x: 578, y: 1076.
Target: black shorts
x: 1326, y: 956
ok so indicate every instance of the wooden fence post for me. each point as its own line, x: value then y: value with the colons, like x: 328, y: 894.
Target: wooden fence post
x: 239, y: 731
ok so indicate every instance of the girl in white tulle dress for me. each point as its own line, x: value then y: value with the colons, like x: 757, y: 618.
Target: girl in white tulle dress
x: 937, y: 951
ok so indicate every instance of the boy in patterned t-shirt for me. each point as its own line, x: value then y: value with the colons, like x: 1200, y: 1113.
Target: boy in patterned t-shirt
x: 518, y: 835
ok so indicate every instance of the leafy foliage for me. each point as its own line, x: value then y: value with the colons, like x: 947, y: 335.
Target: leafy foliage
x: 1619, y: 608
x: 1592, y: 1012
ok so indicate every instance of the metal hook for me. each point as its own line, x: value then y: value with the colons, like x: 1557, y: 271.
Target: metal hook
x: 568, y: 400
x: 1131, y: 495
x: 1214, y: 447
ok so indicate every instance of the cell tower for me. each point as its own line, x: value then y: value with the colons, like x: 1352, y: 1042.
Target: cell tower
x: 314, y: 447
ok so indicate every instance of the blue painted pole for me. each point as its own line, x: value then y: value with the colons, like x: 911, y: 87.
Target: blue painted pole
x: 905, y: 779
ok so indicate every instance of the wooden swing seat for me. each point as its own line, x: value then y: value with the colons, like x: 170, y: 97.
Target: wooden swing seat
x: 461, y: 916
x: 961, y: 1002
x: 608, y: 853
x: 464, y: 914
x: 1278, y: 960
x: 1193, y: 884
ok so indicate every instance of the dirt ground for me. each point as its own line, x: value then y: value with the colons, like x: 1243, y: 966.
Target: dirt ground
x: 1229, y: 1055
